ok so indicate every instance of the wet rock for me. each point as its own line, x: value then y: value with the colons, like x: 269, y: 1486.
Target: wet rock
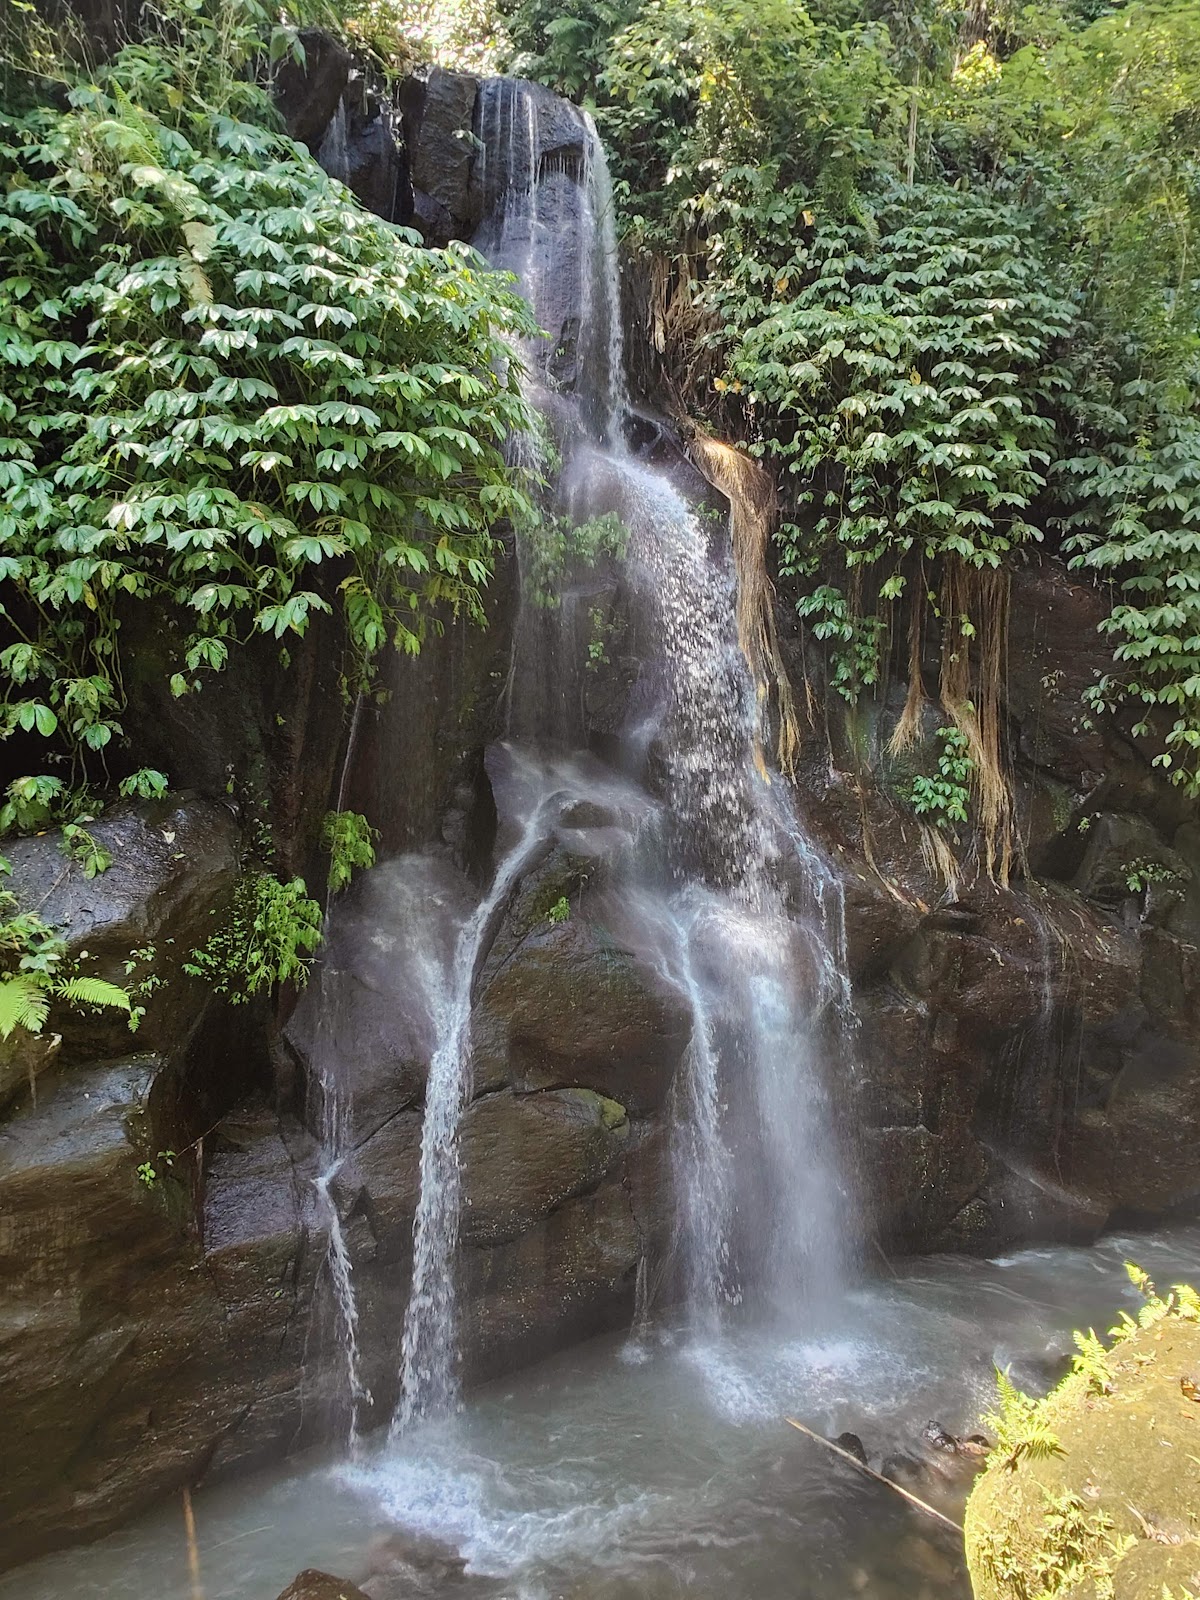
x: 523, y: 1155
x: 313, y: 1585
x: 130, y: 1358
x: 360, y: 150
x: 386, y: 1173
x: 1055, y: 652
x: 571, y: 1276
x: 1128, y: 865
x: 1023, y: 1202
x: 569, y: 1007
x: 308, y: 93
x: 852, y: 1445
x: 23, y: 1058
x: 173, y: 862
x: 1139, y: 1150
x: 438, y: 124
x: 400, y: 1562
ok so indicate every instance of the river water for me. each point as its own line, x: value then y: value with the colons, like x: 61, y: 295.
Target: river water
x: 623, y: 1471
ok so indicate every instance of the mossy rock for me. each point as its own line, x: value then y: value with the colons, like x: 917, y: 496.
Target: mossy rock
x: 1116, y: 1514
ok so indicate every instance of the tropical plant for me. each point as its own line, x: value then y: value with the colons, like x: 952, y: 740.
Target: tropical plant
x: 33, y: 972
x: 231, y: 396
x: 265, y: 938
x: 350, y: 841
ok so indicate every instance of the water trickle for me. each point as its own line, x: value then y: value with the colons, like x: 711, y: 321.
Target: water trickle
x: 334, y: 1135
x: 429, y: 1350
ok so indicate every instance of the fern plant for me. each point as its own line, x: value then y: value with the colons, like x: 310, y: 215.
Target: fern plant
x: 32, y: 975
x: 1018, y: 1425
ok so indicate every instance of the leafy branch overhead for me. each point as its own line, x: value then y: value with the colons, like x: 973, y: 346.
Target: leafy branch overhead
x: 229, y: 393
x: 937, y: 265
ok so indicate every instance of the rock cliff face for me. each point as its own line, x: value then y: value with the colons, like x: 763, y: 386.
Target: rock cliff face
x: 1027, y: 1059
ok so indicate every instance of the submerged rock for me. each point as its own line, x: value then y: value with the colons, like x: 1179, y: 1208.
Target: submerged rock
x: 313, y: 1585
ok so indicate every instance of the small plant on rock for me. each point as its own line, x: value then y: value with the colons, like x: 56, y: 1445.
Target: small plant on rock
x: 350, y: 840
x: 267, y: 938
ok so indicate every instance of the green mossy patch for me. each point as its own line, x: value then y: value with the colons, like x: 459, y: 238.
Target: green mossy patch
x: 1105, y: 1504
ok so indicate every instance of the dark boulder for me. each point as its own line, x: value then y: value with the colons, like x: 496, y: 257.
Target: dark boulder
x: 439, y: 116
x: 308, y: 92
x: 313, y: 1585
x: 568, y: 1006
x: 524, y: 1155
x: 173, y: 864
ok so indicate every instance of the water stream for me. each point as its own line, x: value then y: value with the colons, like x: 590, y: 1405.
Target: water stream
x: 429, y: 1349
x: 597, y: 1475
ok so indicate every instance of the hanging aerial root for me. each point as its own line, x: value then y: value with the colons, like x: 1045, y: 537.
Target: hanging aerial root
x: 908, y: 729
x: 975, y: 603
x: 750, y: 491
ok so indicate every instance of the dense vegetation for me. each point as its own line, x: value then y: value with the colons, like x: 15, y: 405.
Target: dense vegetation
x: 933, y: 262
x: 229, y: 391
x: 936, y: 263
x: 231, y: 400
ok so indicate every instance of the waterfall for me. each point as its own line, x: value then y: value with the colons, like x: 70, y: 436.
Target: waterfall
x: 707, y: 890
x: 429, y: 1350
x: 719, y: 885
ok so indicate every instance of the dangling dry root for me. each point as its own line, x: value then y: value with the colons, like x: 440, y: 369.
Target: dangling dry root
x: 968, y: 594
x: 751, y: 494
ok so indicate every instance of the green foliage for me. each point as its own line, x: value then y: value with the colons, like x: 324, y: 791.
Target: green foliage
x: 564, y: 43
x: 30, y: 804
x: 32, y: 972
x: 945, y: 798
x: 1134, y: 519
x: 83, y: 847
x: 266, y: 938
x: 349, y: 839
x: 1182, y: 1301
x: 1142, y: 872
x: 937, y: 264
x: 1091, y: 1363
x: 698, y: 98
x: 559, y: 912
x: 1078, y: 1546
x: 1018, y: 1425
x: 230, y: 394
x: 145, y: 784
x: 554, y: 546
x: 148, y: 1173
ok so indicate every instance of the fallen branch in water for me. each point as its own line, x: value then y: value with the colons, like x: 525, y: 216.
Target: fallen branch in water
x: 921, y: 1505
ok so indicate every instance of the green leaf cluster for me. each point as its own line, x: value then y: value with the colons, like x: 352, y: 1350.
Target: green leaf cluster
x: 266, y: 938
x: 226, y: 392
x: 33, y: 972
x: 350, y: 840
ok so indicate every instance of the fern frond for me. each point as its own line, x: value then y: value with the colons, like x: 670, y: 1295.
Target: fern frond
x: 92, y: 992
x: 24, y: 1002
x: 1092, y: 1362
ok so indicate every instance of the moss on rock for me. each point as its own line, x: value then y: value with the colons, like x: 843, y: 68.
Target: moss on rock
x: 1094, y: 1492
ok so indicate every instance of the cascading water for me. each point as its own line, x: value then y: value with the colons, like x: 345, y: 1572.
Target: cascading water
x: 706, y: 889
x: 702, y: 886
x: 335, y: 1137
x: 428, y: 1372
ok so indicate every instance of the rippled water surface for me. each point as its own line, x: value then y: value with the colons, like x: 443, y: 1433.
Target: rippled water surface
x: 660, y: 1469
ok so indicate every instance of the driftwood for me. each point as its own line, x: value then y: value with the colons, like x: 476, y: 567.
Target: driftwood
x: 921, y: 1505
